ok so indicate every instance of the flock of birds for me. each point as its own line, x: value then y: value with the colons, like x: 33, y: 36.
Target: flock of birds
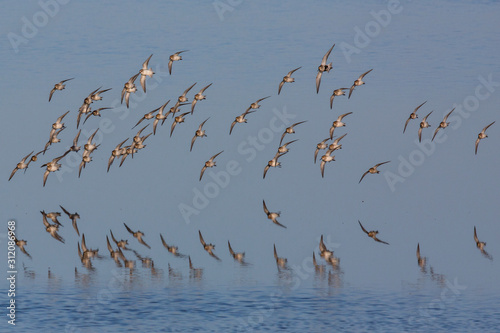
x: 137, y: 142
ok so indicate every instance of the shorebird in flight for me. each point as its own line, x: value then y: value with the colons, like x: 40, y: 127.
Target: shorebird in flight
x: 272, y: 215
x: 287, y: 79
x: 58, y: 86
x: 482, y: 135
x: 358, y: 82
x: 413, y: 115
x: 373, y: 170
x: 323, y: 67
x: 372, y: 234
x: 174, y: 57
x: 137, y: 234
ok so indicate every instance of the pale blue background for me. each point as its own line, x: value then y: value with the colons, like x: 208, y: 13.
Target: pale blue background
x: 434, y: 52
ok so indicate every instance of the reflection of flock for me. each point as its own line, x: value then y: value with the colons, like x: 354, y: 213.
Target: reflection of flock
x: 158, y: 115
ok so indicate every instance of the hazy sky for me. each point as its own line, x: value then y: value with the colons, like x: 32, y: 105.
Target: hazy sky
x: 445, y: 54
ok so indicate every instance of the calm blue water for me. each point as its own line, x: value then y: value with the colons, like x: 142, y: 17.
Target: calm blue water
x: 164, y: 304
x: 441, y: 53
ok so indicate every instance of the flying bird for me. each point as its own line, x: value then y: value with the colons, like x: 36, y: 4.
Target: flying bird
x: 338, y: 123
x: 52, y: 229
x: 97, y: 96
x: 255, y: 105
x: 320, y: 146
x: 159, y: 116
x: 170, y: 248
x: 20, y: 243
x: 182, y: 98
x: 52, y: 166
x: 337, y: 92
x: 122, y: 243
x: 481, y: 245
x: 200, y: 133
x: 129, y: 88
x: 238, y: 256
x: 421, y: 260
x: 118, y: 151
x: 442, y: 124
x: 482, y: 135
x: 372, y: 170
x: 328, y: 157
x: 372, y: 234
x: 284, y: 149
x: 209, y: 164
x: 323, y: 250
x: 58, y: 86
x: 145, y: 71
x: 413, y: 115
x: 287, y: 78
x: 335, y: 145
x: 423, y: 124
x: 73, y: 217
x: 198, y: 97
x: 272, y: 215
x: 207, y: 247
x: 95, y: 113
x: 177, y: 120
x: 281, y: 262
x: 174, y: 57
x: 240, y: 119
x: 358, y: 82
x: 273, y: 163
x: 137, y: 234
x: 21, y: 165
x: 324, y: 67
x: 290, y: 130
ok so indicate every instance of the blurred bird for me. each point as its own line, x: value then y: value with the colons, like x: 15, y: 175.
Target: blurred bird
x: 413, y: 115
x: 358, y: 82
x: 482, y: 135
x: 337, y: 92
x: 272, y: 216
x: 73, y: 217
x: 137, y: 234
x: 287, y: 79
x: 174, y: 57
x: 324, y: 67
x: 372, y: 170
x: 338, y: 123
x: 290, y: 130
x: 198, y: 97
x: 481, y: 245
x: 320, y: 146
x: 207, y: 247
x: 423, y: 124
x: 200, y: 133
x: 209, y: 164
x: 145, y: 71
x: 272, y: 163
x: 442, y: 124
x: 58, y: 86
x: 281, y: 262
x: 372, y: 234
x: 240, y: 119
